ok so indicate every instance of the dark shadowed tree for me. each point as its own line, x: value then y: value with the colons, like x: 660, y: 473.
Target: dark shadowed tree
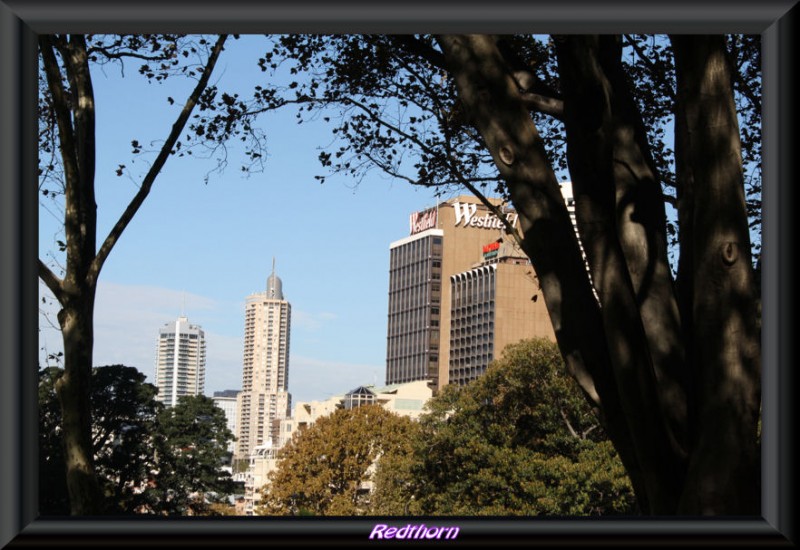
x: 67, y: 172
x: 123, y: 425
x: 191, y: 445
x: 672, y: 362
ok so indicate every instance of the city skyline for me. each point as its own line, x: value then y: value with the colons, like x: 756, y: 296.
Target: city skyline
x: 206, y: 239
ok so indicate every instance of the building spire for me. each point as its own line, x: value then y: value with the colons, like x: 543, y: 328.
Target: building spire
x: 274, y: 284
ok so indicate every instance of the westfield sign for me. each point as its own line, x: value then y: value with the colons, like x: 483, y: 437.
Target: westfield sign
x: 422, y: 221
x: 465, y: 216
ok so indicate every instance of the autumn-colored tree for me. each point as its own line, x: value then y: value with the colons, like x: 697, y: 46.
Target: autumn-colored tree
x: 519, y: 440
x: 326, y: 469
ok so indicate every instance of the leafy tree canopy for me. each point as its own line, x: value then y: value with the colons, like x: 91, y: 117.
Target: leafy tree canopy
x: 520, y: 440
x: 192, y: 439
x: 149, y: 459
x: 324, y: 470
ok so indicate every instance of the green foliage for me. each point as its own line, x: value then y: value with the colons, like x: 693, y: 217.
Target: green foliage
x: 324, y: 468
x: 520, y: 440
x: 192, y: 442
x: 136, y: 445
x: 123, y: 411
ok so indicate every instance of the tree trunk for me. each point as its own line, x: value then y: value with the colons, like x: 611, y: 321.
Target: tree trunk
x: 74, y: 110
x: 688, y: 443
x: 494, y: 107
x: 613, y: 186
x: 73, y: 390
x: 717, y: 286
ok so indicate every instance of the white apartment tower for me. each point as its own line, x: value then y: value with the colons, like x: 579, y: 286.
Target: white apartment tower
x: 180, y: 361
x: 264, y: 399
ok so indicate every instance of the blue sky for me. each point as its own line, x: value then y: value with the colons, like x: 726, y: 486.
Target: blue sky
x: 210, y: 245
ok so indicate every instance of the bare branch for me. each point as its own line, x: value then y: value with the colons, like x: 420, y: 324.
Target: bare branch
x: 51, y: 280
x: 543, y: 104
x: 166, y: 149
x: 568, y: 424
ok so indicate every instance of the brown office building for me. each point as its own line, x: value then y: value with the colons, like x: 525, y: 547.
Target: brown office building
x: 495, y: 304
x: 444, y: 241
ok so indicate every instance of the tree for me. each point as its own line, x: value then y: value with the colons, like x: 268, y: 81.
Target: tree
x: 67, y: 156
x: 519, y: 440
x: 191, y: 444
x: 672, y: 363
x: 149, y: 460
x: 123, y: 411
x: 323, y: 469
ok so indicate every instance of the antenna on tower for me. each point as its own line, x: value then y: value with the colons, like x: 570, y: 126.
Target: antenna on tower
x: 273, y: 265
x: 183, y: 305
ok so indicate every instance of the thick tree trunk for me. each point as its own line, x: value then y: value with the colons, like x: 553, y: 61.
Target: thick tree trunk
x: 717, y: 287
x: 688, y: 442
x: 75, y: 116
x: 73, y: 390
x: 493, y: 104
x: 614, y: 191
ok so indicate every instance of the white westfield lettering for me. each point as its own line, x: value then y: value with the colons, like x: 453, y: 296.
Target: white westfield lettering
x: 465, y: 212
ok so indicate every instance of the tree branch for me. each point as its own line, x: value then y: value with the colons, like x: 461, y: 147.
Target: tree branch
x: 155, y: 169
x: 51, y: 280
x: 61, y: 106
x: 415, y: 46
x: 654, y: 69
x: 569, y: 424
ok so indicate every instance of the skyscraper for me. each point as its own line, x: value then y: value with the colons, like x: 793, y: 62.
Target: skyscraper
x: 180, y: 361
x: 226, y: 400
x: 264, y: 399
x: 443, y: 242
x: 442, y: 255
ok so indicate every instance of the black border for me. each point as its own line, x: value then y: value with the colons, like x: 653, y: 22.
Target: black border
x: 20, y: 21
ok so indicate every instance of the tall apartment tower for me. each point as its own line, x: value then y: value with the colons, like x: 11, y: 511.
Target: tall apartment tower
x: 180, y: 361
x: 264, y: 399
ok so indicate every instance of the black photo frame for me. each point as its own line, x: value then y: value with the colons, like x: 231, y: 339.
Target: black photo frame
x: 22, y: 20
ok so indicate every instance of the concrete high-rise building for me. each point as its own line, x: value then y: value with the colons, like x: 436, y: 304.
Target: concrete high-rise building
x: 180, y: 361
x: 494, y: 304
x: 226, y: 400
x: 444, y: 241
x: 264, y: 399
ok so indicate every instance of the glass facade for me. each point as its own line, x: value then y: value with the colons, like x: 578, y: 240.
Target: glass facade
x: 415, y: 290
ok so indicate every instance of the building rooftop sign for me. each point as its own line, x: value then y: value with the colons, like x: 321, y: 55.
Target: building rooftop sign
x: 422, y: 221
x: 465, y: 215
